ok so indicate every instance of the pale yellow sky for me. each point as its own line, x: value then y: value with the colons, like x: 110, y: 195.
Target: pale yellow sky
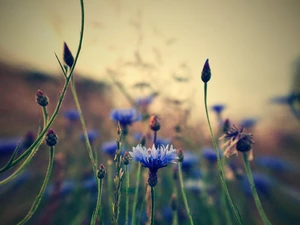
x: 251, y: 44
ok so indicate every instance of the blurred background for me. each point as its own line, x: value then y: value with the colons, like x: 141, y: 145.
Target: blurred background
x: 154, y: 51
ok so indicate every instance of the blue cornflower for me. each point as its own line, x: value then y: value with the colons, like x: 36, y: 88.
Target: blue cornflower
x: 154, y: 158
x: 190, y: 159
x: 72, y: 115
x: 262, y: 182
x: 92, y: 135
x: 109, y: 147
x: 284, y: 99
x: 144, y: 101
x: 218, y: 108
x: 8, y: 145
x: 67, y: 186
x: 273, y: 163
x: 125, y: 116
x: 209, y: 154
x: 248, y: 122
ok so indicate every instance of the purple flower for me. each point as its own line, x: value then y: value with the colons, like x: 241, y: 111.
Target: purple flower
x: 262, y: 183
x: 109, y: 147
x: 190, y: 159
x: 218, y: 108
x: 210, y: 154
x: 72, y: 115
x: 125, y: 116
x: 273, y: 163
x: 144, y: 101
x: 8, y: 145
x: 92, y: 135
x: 154, y: 158
x: 248, y: 122
x: 67, y: 186
x: 162, y: 141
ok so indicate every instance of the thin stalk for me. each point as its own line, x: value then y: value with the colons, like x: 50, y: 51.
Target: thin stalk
x: 83, y: 124
x: 155, y: 137
x: 127, y: 195
x: 152, y: 206
x: 226, y: 211
x: 45, y: 115
x: 97, y: 209
x: 135, y: 199
x: 254, y: 192
x: 42, y: 190
x: 184, y: 195
x: 34, y: 147
x: 219, y: 163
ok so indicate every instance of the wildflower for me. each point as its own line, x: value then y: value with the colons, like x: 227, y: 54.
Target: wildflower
x: 110, y: 147
x: 92, y: 135
x: 154, y: 159
x: 190, y: 160
x: 67, y: 186
x: 263, y: 184
x: 206, y: 72
x: 8, y: 145
x: 51, y: 138
x: 41, y: 98
x: 272, y: 163
x: 68, y: 57
x: 101, y: 172
x: 125, y: 116
x: 218, y: 108
x: 72, y: 115
x: 28, y: 139
x: 237, y: 141
x: 248, y: 123
x: 210, y: 155
x: 162, y: 141
x: 144, y: 101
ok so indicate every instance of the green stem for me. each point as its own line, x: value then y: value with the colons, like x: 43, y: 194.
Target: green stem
x: 45, y: 115
x: 254, y: 192
x: 226, y: 211
x: 219, y: 163
x: 135, y: 199
x: 42, y: 190
x: 34, y: 147
x: 184, y: 195
x: 152, y: 206
x: 97, y: 209
x: 83, y: 124
x: 127, y: 195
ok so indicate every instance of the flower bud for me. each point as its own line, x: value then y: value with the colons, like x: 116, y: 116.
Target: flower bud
x: 180, y: 155
x: 51, y: 138
x: 206, y: 72
x: 101, y: 171
x: 41, y: 98
x: 68, y: 57
x: 226, y: 126
x: 126, y: 158
x: 154, y: 124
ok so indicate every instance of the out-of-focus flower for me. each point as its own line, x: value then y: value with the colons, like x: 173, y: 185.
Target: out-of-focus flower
x: 162, y: 141
x: 272, y: 163
x: 15, y: 183
x: 28, y: 139
x: 248, y: 122
x: 125, y: 116
x: 92, y: 135
x: 67, y: 186
x: 8, y: 145
x: 218, y: 108
x: 154, y: 159
x: 262, y: 182
x: 210, y: 154
x: 109, y: 147
x: 194, y: 185
x: 237, y: 141
x: 72, y: 115
x: 190, y: 160
x: 144, y: 101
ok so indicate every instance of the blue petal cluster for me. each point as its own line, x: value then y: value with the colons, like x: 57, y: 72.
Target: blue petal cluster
x: 109, y: 147
x: 125, y: 116
x: 218, y: 108
x: 154, y: 158
x: 72, y: 115
x: 144, y: 101
x: 92, y: 135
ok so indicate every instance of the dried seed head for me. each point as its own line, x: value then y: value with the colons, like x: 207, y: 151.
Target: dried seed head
x: 244, y: 144
x: 68, y: 57
x: 206, y: 72
x: 101, y: 171
x: 51, y: 138
x: 41, y: 98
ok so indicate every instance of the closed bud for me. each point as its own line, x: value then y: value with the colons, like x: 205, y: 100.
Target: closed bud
x: 101, y: 171
x: 51, y: 138
x: 154, y: 124
x: 180, y: 155
x: 206, y: 72
x: 126, y: 158
x: 68, y: 57
x: 41, y: 98
x: 226, y: 126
